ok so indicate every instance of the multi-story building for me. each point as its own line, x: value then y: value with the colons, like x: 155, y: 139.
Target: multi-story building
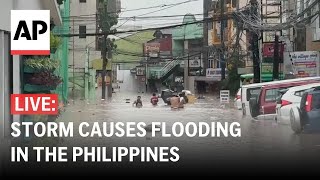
x: 188, y: 47
x: 83, y: 20
x: 305, y: 36
x: 10, y: 66
x: 85, y: 49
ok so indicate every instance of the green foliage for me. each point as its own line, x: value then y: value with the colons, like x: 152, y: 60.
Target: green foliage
x: 55, y: 41
x: 232, y: 83
x: 107, y: 20
x: 42, y: 63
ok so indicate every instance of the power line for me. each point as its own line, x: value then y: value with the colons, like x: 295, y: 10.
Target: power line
x: 138, y: 9
x: 168, y: 7
x: 138, y: 17
x: 146, y: 29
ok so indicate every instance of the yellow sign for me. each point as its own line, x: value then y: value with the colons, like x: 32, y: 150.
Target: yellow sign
x: 97, y: 64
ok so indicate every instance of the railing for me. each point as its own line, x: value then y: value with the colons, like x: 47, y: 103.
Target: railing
x: 165, y: 69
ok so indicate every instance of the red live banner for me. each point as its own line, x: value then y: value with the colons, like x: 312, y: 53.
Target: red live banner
x: 34, y: 104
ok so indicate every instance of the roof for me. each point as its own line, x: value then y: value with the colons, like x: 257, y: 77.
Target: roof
x: 130, y: 48
x: 166, y: 31
x: 304, y: 87
x: 190, y: 31
x: 278, y: 82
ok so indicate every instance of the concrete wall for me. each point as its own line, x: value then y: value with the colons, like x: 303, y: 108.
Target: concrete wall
x: 311, y: 45
x: 28, y: 5
x: 5, y: 86
x: 5, y: 8
x: 130, y: 84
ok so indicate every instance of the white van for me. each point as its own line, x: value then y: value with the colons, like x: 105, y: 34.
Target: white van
x: 252, y: 90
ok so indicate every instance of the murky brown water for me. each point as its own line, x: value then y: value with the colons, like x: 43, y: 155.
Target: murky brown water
x: 259, y: 138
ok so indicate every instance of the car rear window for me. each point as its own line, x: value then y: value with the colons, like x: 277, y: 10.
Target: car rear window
x: 316, y: 101
x: 300, y: 93
x: 253, y: 92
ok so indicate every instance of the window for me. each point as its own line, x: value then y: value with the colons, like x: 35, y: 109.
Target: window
x: 82, y: 31
x: 218, y: 64
x: 82, y: 1
x: 210, y: 63
x: 252, y: 93
x: 299, y: 93
x: 315, y: 101
x: 272, y: 95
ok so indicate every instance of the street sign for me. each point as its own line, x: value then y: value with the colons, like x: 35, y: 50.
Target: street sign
x: 302, y: 64
x: 141, y: 71
x: 224, y: 96
x: 214, y: 74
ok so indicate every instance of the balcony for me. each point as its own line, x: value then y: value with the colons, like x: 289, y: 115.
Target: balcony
x: 53, y: 6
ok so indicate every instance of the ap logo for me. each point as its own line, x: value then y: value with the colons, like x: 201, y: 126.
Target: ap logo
x: 30, y: 32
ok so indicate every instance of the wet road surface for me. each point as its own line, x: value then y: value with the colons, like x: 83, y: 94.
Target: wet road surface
x: 263, y: 143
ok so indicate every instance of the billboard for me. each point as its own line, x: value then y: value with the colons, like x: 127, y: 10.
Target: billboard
x: 196, y: 62
x: 302, y: 64
x: 152, y: 49
x: 268, y: 50
x: 215, y: 73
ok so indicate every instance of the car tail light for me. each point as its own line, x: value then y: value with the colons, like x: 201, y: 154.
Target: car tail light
x: 309, y: 103
x: 285, y: 103
x: 238, y: 97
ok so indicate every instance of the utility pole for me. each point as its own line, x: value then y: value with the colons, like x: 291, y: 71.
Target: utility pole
x: 255, y: 44
x: 104, y: 65
x: 73, y: 62
x: 276, y: 58
x: 105, y: 29
x: 107, y: 21
x: 206, y: 7
x: 86, y: 72
x: 222, y: 58
x: 146, y: 71
x: 109, y: 71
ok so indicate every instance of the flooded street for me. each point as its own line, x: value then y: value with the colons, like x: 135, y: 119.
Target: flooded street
x: 261, y: 142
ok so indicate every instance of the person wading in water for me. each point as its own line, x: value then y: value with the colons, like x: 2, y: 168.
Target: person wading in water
x: 175, y: 102
x: 154, y: 99
x: 138, y: 102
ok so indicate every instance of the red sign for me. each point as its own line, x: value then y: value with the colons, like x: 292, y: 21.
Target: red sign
x: 152, y: 49
x: 34, y: 104
x: 268, y: 49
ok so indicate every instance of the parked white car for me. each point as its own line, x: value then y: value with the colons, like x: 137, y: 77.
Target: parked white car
x: 292, y: 99
x: 253, y: 90
x: 237, y: 100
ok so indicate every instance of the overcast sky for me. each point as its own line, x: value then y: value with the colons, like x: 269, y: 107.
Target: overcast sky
x: 194, y: 7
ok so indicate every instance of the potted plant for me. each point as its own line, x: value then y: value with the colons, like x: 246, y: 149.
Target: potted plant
x: 54, y: 42
x: 40, y: 64
x: 46, y: 79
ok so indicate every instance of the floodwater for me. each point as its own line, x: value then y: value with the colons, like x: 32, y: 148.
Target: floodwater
x: 260, y: 141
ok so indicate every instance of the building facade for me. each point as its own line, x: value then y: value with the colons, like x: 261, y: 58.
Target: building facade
x: 11, y: 66
x: 187, y: 47
x: 85, y: 49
